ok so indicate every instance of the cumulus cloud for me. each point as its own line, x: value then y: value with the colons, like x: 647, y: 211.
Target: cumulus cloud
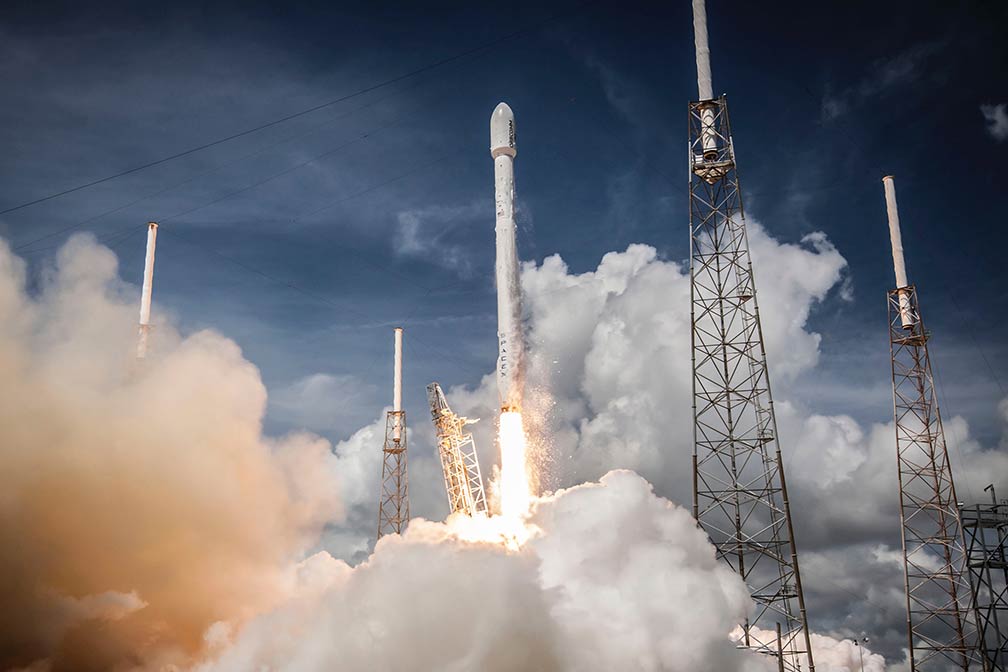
x: 610, y: 359
x: 141, y: 502
x: 996, y: 117
x: 604, y: 586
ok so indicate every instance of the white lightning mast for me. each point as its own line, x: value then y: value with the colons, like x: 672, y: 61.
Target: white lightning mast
x: 145, y: 293
x: 463, y: 481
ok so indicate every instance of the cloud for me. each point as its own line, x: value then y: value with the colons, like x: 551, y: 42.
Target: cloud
x: 141, y: 502
x: 610, y: 374
x: 320, y: 401
x: 882, y: 77
x: 420, y: 233
x: 617, y: 579
x: 996, y: 117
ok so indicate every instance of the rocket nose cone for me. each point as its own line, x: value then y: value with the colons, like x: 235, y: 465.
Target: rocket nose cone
x: 502, y: 131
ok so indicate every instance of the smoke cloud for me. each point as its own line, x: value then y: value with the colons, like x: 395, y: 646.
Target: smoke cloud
x: 617, y: 578
x: 146, y: 522
x: 141, y: 504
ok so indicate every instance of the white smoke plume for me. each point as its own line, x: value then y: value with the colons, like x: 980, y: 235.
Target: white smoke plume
x: 617, y: 579
x: 147, y: 522
x: 140, y: 504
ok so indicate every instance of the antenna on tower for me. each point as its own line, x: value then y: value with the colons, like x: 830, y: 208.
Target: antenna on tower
x: 939, y: 628
x: 740, y: 496
x: 145, y: 293
x: 393, y: 505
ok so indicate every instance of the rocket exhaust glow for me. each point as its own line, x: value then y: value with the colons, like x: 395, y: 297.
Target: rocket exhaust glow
x: 510, y: 358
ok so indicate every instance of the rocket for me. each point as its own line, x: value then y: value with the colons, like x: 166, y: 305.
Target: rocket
x: 511, y: 347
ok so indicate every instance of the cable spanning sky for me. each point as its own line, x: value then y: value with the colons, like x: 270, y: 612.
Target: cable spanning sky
x: 307, y: 238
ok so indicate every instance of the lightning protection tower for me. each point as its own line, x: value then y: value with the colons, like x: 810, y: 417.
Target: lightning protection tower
x: 143, y: 332
x: 939, y: 628
x: 739, y: 492
x: 986, y: 531
x: 463, y: 481
x: 393, y: 506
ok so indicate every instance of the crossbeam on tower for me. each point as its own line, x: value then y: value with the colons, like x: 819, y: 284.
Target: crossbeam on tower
x: 463, y: 481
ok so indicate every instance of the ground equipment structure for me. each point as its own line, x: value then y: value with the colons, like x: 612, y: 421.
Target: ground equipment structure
x: 463, y: 481
x: 985, y: 527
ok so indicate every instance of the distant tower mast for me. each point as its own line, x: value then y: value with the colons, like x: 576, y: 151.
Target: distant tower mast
x: 939, y: 629
x: 393, y: 507
x: 739, y: 493
x: 986, y: 532
x: 145, y: 294
x: 463, y: 481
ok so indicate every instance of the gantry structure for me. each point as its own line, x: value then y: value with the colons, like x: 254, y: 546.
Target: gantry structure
x: 463, y: 481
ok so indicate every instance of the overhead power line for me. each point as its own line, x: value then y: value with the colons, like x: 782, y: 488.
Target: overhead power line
x: 368, y: 89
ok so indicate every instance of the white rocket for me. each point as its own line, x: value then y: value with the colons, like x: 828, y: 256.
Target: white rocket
x: 511, y: 347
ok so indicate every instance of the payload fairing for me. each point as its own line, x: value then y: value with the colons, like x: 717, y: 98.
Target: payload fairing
x: 511, y: 352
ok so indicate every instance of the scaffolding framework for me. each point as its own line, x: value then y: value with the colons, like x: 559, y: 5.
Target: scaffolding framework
x: 739, y: 491
x: 393, y: 509
x: 463, y: 481
x: 940, y: 630
x: 985, y: 527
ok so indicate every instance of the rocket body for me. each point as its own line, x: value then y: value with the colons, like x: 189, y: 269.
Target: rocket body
x: 511, y: 346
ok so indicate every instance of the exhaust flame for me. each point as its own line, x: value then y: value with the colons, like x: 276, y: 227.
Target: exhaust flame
x: 515, y: 494
x: 510, y: 527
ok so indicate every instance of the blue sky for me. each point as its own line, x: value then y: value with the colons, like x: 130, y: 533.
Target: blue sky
x: 307, y: 241
x: 824, y: 101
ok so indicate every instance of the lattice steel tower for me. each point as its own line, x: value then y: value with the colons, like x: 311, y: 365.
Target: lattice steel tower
x: 463, y: 481
x: 940, y: 632
x: 393, y: 505
x: 739, y: 492
x: 986, y: 531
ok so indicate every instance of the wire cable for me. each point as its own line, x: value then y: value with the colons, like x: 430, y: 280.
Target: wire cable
x: 295, y: 115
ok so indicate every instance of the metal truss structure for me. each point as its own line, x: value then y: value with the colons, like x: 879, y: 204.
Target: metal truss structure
x: 739, y: 492
x: 985, y: 528
x: 940, y: 630
x: 393, y: 506
x: 463, y: 481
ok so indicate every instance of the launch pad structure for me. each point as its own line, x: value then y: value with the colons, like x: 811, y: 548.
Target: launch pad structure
x: 740, y: 495
x: 393, y: 504
x: 985, y: 528
x: 463, y: 481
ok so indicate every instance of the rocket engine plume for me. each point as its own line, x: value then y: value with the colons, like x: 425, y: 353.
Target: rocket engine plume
x: 510, y: 358
x: 515, y: 493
